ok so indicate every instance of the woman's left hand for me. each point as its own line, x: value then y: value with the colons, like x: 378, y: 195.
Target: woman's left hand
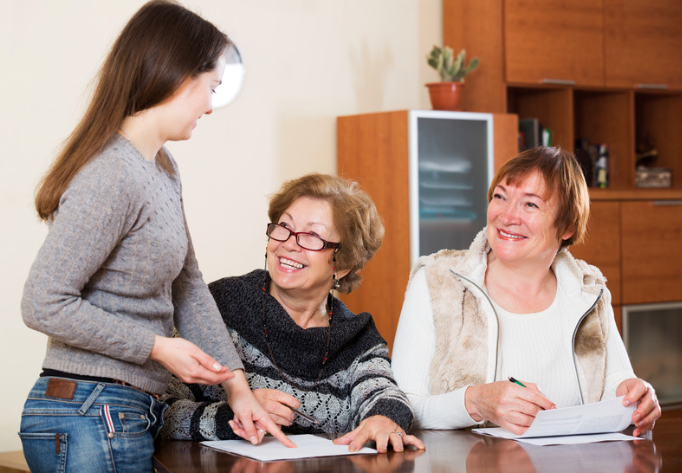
x: 648, y: 410
x: 382, y: 430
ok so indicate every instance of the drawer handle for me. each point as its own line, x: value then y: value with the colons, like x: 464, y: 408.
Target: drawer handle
x: 558, y: 81
x: 653, y: 86
x: 667, y: 202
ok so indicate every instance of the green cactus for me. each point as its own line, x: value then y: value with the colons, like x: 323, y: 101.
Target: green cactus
x: 449, y: 68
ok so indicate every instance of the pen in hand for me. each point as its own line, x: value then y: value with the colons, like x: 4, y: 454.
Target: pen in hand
x: 305, y: 416
x: 517, y: 382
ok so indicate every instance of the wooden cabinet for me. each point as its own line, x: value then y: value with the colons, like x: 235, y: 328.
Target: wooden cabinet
x: 412, y: 164
x: 630, y: 93
x: 652, y: 254
x: 554, y: 41
x: 601, y: 248
x: 643, y: 43
x: 522, y: 42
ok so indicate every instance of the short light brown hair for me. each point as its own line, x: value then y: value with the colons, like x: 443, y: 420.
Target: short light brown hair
x: 355, y: 219
x: 564, y: 181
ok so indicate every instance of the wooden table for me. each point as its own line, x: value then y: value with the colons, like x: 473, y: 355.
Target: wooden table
x: 457, y: 451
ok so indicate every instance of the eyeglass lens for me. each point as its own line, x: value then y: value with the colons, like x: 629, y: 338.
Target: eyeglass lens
x: 304, y: 240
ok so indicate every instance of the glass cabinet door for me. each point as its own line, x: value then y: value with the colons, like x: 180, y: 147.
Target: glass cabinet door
x: 451, y: 163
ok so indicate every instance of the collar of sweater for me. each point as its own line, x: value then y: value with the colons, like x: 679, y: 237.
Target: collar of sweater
x: 297, y: 351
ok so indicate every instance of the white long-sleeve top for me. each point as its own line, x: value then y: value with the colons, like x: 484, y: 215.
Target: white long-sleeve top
x: 414, y: 349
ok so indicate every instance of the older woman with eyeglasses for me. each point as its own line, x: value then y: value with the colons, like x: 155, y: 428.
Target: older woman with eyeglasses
x: 314, y: 365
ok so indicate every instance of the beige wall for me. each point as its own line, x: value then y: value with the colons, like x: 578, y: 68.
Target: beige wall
x: 307, y: 61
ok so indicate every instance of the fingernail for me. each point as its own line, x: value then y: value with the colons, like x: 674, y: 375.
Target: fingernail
x: 216, y: 366
x: 637, y: 416
x: 625, y: 402
x: 254, y: 440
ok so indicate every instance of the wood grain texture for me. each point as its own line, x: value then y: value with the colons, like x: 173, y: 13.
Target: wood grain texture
x: 643, y: 42
x: 659, y: 117
x: 13, y: 462
x: 552, y: 106
x: 651, y: 252
x: 476, y: 26
x: 609, y: 117
x: 554, y: 39
x: 602, y: 244
x: 505, y: 146
x: 373, y: 150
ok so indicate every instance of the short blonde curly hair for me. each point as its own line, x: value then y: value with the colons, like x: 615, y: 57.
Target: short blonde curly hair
x: 355, y: 219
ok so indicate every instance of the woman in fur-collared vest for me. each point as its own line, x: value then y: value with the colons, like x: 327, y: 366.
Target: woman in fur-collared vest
x: 516, y: 305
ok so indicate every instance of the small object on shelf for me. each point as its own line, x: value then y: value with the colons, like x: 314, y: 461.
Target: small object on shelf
x: 586, y: 154
x: 445, y: 95
x: 646, y: 152
x: 653, y: 177
x: 531, y: 130
x: 546, y: 137
x: 603, y: 166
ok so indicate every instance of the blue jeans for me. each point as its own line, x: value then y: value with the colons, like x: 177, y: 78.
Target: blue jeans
x: 96, y: 427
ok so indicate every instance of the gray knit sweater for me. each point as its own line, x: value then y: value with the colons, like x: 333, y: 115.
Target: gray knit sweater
x: 356, y: 382
x: 116, y: 268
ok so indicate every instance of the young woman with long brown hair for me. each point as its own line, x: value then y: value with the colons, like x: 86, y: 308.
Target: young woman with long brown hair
x: 117, y: 272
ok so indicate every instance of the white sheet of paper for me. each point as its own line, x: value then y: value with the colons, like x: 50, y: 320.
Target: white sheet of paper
x: 270, y: 449
x: 577, y: 439
x: 596, y: 418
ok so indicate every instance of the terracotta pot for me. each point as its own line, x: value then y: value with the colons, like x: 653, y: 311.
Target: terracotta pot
x: 445, y: 95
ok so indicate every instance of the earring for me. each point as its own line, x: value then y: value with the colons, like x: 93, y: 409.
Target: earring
x: 336, y: 284
x: 266, y: 259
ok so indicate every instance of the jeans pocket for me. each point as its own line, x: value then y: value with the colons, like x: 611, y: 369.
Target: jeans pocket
x: 45, y: 452
x: 126, y: 420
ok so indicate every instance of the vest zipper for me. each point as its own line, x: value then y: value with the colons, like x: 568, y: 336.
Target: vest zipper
x: 575, y: 332
x: 497, y: 317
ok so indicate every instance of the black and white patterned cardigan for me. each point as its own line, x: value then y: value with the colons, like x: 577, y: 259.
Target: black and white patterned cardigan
x: 356, y: 383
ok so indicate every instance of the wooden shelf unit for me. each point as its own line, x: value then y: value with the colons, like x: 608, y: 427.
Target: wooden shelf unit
x: 373, y: 149
x: 608, y: 71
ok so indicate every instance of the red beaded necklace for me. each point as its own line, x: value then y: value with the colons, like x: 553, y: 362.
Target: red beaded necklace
x: 330, y: 302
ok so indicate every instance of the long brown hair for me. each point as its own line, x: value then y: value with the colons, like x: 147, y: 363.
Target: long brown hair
x: 162, y: 45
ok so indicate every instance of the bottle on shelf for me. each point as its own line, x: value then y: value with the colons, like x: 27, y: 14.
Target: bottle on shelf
x: 603, y: 166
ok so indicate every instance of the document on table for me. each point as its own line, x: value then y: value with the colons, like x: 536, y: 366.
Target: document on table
x: 270, y: 449
x: 596, y: 422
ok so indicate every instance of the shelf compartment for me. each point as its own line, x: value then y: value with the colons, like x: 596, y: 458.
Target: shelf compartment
x: 658, y: 115
x: 607, y: 117
x: 552, y: 106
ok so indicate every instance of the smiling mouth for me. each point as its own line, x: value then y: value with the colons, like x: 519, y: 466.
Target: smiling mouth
x: 287, y: 263
x: 510, y: 235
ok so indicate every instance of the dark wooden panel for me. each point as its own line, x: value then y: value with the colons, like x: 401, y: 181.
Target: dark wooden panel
x: 602, y: 245
x: 373, y: 150
x: 554, y: 39
x: 652, y: 254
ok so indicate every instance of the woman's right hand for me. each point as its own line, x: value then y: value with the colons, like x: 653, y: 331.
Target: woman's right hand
x: 188, y: 362
x: 506, y: 404
x: 251, y: 421
x: 278, y: 404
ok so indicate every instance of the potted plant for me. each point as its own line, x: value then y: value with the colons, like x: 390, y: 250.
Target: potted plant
x: 452, y: 70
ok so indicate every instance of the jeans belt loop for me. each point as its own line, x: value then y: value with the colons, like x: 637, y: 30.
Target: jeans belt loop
x: 91, y: 398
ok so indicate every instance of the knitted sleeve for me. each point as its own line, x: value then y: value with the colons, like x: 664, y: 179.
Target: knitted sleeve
x: 97, y: 210
x: 375, y: 392
x: 197, y: 317
x: 196, y: 412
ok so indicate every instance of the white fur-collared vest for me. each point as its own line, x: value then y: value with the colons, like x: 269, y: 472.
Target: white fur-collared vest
x: 466, y: 349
